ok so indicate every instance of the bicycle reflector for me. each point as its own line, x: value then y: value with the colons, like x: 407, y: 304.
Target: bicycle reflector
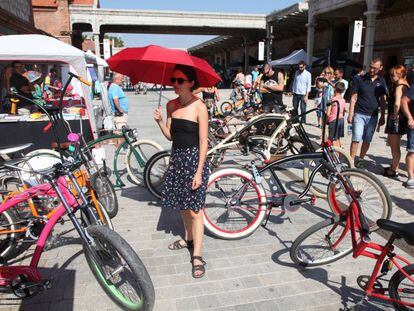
x: 82, y: 112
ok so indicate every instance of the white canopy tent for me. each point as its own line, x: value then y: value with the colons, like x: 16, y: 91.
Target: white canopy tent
x: 40, y: 48
x: 292, y: 59
x: 99, y: 61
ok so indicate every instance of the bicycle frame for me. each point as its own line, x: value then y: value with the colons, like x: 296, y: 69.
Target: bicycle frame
x: 127, y: 143
x: 233, y: 139
x: 367, y: 249
x: 69, y: 205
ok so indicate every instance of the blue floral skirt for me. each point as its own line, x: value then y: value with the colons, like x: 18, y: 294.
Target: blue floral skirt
x: 177, y: 192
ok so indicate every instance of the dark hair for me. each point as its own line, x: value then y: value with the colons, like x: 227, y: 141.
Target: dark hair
x: 53, y: 70
x: 190, y: 73
x: 14, y: 63
x: 302, y: 63
x: 339, y: 69
x: 339, y: 87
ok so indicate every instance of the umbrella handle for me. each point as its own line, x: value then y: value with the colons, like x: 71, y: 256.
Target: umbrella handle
x: 162, y: 81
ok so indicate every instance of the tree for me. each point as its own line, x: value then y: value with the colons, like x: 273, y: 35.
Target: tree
x: 118, y: 42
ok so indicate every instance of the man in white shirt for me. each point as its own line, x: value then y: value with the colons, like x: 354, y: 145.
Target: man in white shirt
x: 338, y: 75
x: 301, y: 88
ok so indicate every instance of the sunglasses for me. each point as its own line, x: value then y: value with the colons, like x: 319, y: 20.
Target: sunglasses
x: 328, y: 73
x: 178, y: 80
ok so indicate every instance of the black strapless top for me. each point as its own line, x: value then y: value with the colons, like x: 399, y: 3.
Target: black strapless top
x: 184, y: 133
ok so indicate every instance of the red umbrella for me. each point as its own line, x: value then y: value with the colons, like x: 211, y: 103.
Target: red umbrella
x: 155, y: 64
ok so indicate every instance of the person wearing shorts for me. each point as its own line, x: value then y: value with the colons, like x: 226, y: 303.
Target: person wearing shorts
x: 407, y: 106
x: 368, y: 95
x: 118, y: 101
x: 335, y: 119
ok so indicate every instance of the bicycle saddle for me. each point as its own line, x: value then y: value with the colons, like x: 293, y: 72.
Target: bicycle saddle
x: 401, y: 230
x: 14, y: 148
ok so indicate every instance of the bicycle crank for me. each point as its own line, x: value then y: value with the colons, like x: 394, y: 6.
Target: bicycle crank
x: 292, y: 202
x: 22, y: 288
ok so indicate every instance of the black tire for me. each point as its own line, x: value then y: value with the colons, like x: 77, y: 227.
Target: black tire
x: 302, y: 257
x: 113, y: 250
x: 374, y: 198
x: 105, y: 193
x: 8, y: 242
x: 154, y: 172
x: 88, y: 220
x: 408, y: 288
x: 226, y: 108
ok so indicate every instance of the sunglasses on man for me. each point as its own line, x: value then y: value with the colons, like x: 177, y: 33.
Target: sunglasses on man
x: 178, y: 80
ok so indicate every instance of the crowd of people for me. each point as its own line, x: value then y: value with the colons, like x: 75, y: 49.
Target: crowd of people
x: 366, y: 102
x: 31, y: 84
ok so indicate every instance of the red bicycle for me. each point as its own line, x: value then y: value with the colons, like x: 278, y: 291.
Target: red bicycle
x: 336, y: 237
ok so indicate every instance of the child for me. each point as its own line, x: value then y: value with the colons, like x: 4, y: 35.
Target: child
x: 336, y: 128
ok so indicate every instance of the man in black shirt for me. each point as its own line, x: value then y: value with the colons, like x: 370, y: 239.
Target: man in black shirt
x: 20, y: 83
x: 368, y: 94
x: 272, y: 85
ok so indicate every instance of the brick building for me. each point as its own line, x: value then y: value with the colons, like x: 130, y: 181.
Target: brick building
x: 53, y: 17
x: 16, y: 17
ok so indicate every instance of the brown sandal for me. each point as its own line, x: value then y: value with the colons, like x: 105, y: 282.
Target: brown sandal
x: 177, y: 245
x: 200, y: 268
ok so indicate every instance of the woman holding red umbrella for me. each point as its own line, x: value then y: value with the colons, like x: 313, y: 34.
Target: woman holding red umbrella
x: 185, y: 185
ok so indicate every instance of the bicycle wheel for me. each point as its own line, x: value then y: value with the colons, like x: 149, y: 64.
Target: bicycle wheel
x: 129, y: 284
x: 105, y: 193
x: 373, y: 197
x: 135, y: 167
x: 402, y: 289
x: 228, y: 217
x: 226, y: 108
x: 320, y: 182
x: 9, y: 234
x: 155, y: 171
x: 323, y: 243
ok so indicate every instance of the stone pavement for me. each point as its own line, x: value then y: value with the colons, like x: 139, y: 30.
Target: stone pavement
x: 249, y: 274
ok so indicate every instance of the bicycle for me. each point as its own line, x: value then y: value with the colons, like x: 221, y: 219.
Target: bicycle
x: 108, y: 255
x: 237, y: 203
x: 273, y: 133
x: 349, y: 232
x: 104, y: 249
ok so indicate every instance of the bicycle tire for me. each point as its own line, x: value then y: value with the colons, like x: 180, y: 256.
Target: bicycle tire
x: 396, y: 279
x: 137, y: 174
x: 382, y: 193
x: 8, y: 245
x: 110, y: 244
x: 105, y: 193
x: 226, y: 108
x: 253, y: 221
x: 154, y: 175
x: 320, y: 193
x: 338, y: 222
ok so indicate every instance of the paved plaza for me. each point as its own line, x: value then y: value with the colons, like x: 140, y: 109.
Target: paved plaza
x: 255, y: 273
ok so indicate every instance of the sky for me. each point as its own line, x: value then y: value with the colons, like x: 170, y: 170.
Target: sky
x: 186, y: 41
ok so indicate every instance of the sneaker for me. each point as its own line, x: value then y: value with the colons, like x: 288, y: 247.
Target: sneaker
x: 410, y: 184
x: 360, y: 164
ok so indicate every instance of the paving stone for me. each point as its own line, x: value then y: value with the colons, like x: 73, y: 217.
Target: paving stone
x: 254, y: 273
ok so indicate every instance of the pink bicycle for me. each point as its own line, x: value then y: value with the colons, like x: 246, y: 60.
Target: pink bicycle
x: 114, y: 263
x: 111, y: 259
